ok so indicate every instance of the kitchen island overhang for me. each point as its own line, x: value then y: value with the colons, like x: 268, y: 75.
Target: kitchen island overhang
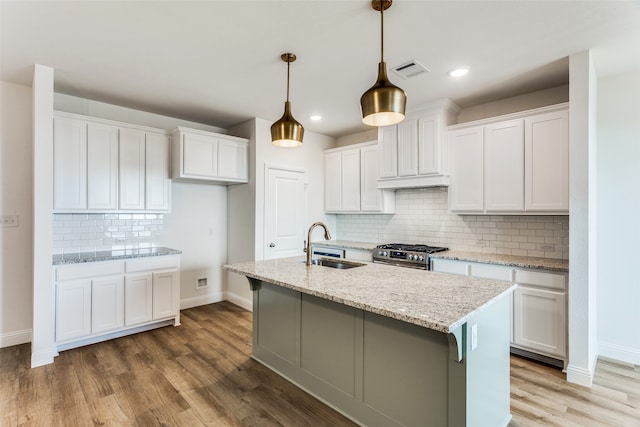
x: 386, y: 346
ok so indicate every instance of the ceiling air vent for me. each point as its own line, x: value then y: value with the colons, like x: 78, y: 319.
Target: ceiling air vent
x: 410, y: 69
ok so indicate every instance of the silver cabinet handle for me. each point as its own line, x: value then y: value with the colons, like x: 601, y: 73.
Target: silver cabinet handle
x: 272, y: 245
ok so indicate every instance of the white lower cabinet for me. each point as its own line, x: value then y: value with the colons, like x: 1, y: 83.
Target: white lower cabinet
x: 100, y: 300
x: 539, y: 307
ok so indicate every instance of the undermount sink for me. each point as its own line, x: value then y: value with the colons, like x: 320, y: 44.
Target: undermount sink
x: 336, y: 263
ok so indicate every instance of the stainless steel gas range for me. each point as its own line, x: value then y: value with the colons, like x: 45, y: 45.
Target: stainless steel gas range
x: 405, y: 255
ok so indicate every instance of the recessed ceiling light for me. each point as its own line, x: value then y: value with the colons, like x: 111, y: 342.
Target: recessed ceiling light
x: 316, y: 118
x: 459, y: 72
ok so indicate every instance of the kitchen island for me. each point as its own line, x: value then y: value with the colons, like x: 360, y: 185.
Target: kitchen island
x: 385, y: 346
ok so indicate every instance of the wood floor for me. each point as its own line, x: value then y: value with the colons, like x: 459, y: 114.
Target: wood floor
x: 200, y: 374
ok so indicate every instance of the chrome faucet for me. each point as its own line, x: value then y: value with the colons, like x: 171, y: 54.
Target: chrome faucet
x: 307, y: 248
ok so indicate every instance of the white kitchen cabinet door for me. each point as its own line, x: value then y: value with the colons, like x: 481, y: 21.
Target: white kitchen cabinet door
x: 408, y: 148
x: 351, y: 180
x: 388, y: 147
x: 200, y: 155
x: 102, y: 166
x: 429, y: 156
x: 165, y: 303
x: 107, y: 304
x: 69, y: 163
x: 73, y: 309
x: 371, y: 198
x: 547, y: 162
x: 132, y: 169
x: 157, y: 181
x: 333, y: 182
x: 504, y: 166
x: 466, y: 192
x: 138, y: 298
x: 539, y: 322
x: 233, y: 160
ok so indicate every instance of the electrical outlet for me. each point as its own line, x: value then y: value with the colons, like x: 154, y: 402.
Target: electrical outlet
x: 9, y: 221
x: 201, y: 282
x: 474, y: 336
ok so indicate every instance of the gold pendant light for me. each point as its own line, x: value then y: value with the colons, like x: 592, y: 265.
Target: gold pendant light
x: 287, y: 132
x: 384, y: 103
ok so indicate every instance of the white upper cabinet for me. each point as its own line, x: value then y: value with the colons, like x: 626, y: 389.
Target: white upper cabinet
x: 102, y: 166
x: 516, y: 164
x: 351, y: 178
x: 412, y: 152
x: 132, y: 169
x: 209, y: 157
x: 504, y: 166
x: 547, y: 161
x: 69, y: 163
x: 105, y: 166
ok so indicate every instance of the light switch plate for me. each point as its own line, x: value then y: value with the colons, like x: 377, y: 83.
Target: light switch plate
x: 474, y: 336
x: 9, y: 221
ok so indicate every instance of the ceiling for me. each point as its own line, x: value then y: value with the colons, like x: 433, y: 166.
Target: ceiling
x: 218, y: 62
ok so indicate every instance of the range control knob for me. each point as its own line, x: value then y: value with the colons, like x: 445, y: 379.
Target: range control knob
x: 420, y: 258
x: 411, y: 257
x: 385, y: 253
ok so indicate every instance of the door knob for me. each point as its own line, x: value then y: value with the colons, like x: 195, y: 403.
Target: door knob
x: 272, y: 245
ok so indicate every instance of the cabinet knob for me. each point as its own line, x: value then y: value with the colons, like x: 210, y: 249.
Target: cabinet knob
x: 272, y: 245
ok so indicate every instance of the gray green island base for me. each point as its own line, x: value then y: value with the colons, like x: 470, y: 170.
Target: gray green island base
x: 385, y: 346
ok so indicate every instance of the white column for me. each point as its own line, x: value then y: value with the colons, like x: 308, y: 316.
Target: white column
x: 582, y: 220
x: 43, y: 348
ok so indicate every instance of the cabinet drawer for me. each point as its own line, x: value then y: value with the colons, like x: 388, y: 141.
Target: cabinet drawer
x: 450, y: 266
x: 494, y: 272
x: 537, y: 278
x: 89, y: 269
x: 152, y: 263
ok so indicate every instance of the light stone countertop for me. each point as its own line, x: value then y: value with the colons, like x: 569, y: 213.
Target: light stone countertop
x: 81, y: 257
x: 437, y: 301
x: 345, y: 244
x: 561, y: 265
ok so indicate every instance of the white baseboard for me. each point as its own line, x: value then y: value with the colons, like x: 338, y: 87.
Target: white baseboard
x: 43, y: 358
x: 582, y: 376
x: 14, y: 338
x: 619, y: 353
x: 201, y: 300
x: 245, y: 303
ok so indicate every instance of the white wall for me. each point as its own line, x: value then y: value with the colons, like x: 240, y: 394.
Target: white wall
x: 247, y: 228
x: 16, y: 243
x: 618, y: 208
x: 356, y: 138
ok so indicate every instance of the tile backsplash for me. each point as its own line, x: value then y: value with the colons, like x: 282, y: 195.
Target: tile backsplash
x: 422, y: 217
x: 99, y: 231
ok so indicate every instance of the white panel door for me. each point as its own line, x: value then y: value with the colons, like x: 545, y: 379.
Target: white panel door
x: 333, y: 182
x: 428, y: 145
x: 408, y: 148
x: 371, y: 197
x: 73, y: 309
x: 102, y: 166
x: 232, y: 160
x: 539, y: 320
x: 284, y: 206
x: 69, y: 163
x: 504, y: 166
x: 107, y: 304
x: 157, y: 182
x: 351, y: 180
x: 138, y: 299
x: 200, y: 155
x: 547, y: 162
x: 466, y: 192
x: 132, y: 169
x: 164, y: 289
x: 388, y: 146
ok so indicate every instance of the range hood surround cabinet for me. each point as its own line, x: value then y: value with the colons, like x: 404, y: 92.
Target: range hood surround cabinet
x: 413, y: 153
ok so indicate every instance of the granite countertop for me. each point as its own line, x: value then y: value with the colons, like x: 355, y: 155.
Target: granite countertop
x: 550, y: 264
x: 345, y: 244
x: 437, y: 301
x: 80, y: 257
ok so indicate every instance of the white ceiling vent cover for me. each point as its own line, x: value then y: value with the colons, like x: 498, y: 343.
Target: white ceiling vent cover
x: 410, y: 69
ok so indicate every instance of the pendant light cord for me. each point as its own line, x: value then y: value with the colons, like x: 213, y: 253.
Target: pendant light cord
x: 288, y: 69
x: 381, y: 30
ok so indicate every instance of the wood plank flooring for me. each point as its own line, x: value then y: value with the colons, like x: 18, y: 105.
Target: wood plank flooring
x: 200, y: 374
